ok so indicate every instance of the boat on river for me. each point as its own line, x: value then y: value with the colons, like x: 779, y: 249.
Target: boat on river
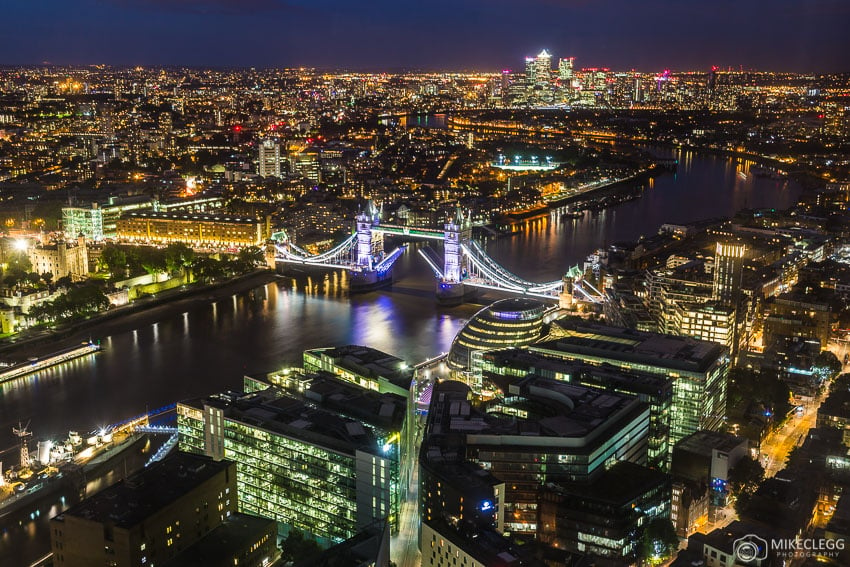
x: 40, y: 363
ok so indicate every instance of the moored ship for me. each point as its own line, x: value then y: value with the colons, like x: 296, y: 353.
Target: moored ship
x: 55, y: 466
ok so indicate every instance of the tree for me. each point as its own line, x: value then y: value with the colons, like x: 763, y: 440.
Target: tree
x: 746, y: 477
x: 296, y: 546
x: 659, y: 540
x: 47, y: 277
x: 152, y: 260
x: 207, y: 269
x: 114, y: 259
x: 252, y: 256
x: 178, y: 256
x: 826, y: 365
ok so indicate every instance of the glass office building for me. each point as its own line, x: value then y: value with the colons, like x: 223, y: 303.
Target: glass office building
x: 306, y: 467
x: 698, y: 369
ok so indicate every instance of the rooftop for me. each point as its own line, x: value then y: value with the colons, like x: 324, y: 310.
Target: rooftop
x: 383, y: 410
x: 604, y: 375
x: 296, y: 419
x: 129, y: 502
x: 535, y: 410
x: 584, y: 338
x: 704, y: 442
x: 186, y: 216
x: 369, y: 362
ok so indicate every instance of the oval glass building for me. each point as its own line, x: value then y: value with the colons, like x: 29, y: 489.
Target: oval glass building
x: 506, y: 323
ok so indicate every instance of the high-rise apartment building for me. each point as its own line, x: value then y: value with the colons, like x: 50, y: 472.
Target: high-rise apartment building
x: 728, y: 271
x: 269, y: 159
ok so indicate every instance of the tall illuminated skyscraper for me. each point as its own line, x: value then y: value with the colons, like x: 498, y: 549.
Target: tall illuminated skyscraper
x: 565, y: 70
x: 728, y: 271
x: 530, y: 71
x: 269, y: 162
x: 538, y: 70
x: 543, y: 65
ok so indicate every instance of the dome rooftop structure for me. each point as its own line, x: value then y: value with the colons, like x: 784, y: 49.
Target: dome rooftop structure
x: 506, y: 323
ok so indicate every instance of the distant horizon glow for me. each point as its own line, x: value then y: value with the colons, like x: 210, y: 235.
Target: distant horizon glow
x: 457, y: 35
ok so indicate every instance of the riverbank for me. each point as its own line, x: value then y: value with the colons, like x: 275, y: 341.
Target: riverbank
x: 143, y: 311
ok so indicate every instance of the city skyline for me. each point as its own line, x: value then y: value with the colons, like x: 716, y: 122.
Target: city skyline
x: 473, y: 35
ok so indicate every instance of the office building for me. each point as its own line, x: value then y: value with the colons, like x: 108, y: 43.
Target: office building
x: 100, y: 221
x: 798, y: 315
x: 298, y: 463
x: 536, y: 431
x: 506, y: 323
x: 367, y: 367
x: 604, y: 519
x: 705, y: 458
x: 699, y: 369
x: 246, y: 541
x: 443, y: 545
x: 148, y: 518
x: 198, y: 230
x: 491, y: 368
x: 269, y: 159
x: 565, y: 71
x: 308, y: 165
x: 387, y: 411
x: 538, y: 70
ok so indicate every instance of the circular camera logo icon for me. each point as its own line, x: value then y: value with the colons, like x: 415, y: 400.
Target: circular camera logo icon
x: 750, y: 548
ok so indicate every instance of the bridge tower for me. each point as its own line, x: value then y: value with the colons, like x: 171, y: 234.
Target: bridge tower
x: 368, y: 251
x: 457, y: 234
x: 370, y: 246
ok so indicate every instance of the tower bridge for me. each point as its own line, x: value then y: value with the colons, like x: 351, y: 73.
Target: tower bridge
x: 462, y: 269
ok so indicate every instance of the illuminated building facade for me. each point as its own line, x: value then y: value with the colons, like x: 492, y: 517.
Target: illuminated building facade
x: 506, y: 323
x: 492, y: 368
x: 304, y: 466
x: 203, y: 231
x: 100, y: 221
x: 269, y: 159
x: 148, y: 518
x: 536, y: 431
x: 386, y: 411
x: 728, y: 271
x: 710, y: 321
x: 698, y: 369
x: 367, y: 367
x: 62, y: 258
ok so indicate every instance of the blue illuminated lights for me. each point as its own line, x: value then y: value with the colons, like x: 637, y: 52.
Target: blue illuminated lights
x: 486, y: 506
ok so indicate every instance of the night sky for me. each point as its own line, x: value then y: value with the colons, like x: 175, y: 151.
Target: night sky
x: 647, y: 35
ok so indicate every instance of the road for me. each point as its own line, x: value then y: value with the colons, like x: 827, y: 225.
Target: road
x: 404, y: 547
x: 778, y: 444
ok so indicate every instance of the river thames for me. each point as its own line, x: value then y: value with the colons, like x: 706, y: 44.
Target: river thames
x: 211, y: 346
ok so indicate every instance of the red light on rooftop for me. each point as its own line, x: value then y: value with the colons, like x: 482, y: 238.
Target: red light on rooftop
x: 237, y: 128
